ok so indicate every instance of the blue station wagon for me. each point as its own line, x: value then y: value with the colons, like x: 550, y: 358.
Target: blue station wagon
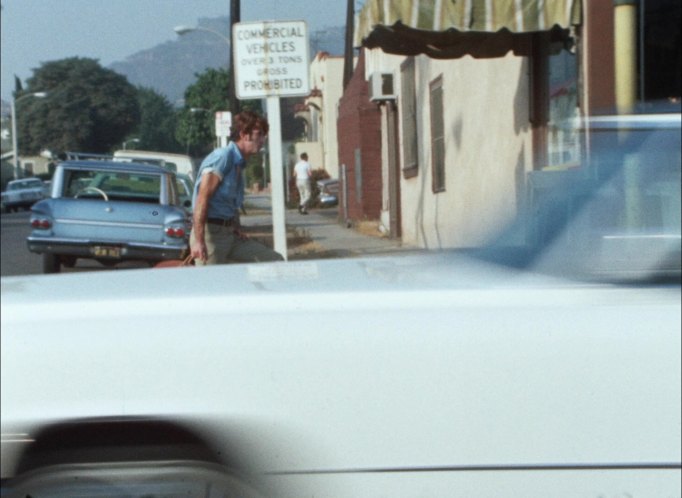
x: 110, y: 212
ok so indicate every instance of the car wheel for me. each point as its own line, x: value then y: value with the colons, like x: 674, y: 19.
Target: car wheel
x: 109, y: 263
x: 126, y: 457
x: 51, y: 263
x: 68, y: 261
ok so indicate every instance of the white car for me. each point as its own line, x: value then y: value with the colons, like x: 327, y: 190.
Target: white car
x: 544, y: 365
x: 22, y: 193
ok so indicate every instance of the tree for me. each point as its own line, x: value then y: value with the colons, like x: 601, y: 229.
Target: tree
x: 196, y: 122
x: 88, y: 108
x: 158, y: 119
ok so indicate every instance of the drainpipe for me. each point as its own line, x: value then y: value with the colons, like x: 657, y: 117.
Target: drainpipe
x: 625, y: 44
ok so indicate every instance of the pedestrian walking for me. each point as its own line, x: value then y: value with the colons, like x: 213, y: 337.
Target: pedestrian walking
x: 303, y: 174
x: 216, y: 236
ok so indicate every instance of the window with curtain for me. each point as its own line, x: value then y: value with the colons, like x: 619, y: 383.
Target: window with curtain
x: 437, y: 135
x: 563, y: 140
x: 408, y: 104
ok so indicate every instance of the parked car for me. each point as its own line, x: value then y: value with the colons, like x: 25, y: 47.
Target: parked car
x: 329, y: 192
x: 110, y: 212
x: 22, y: 193
x: 548, y: 363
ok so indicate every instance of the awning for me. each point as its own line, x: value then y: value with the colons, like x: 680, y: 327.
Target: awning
x: 452, y: 28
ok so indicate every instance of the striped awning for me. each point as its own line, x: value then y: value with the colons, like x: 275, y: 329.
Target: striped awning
x: 397, y: 26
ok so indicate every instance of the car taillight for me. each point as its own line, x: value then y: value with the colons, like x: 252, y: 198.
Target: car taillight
x: 43, y: 223
x: 178, y: 232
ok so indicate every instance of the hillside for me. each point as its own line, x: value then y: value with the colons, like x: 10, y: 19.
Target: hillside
x: 169, y: 68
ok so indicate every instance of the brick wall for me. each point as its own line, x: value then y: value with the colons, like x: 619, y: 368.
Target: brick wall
x: 359, y: 129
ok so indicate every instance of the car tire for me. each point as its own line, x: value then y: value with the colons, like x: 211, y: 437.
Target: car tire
x: 51, y: 263
x: 68, y: 261
x: 111, y: 453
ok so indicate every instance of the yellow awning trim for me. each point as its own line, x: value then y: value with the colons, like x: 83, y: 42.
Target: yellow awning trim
x: 483, y: 16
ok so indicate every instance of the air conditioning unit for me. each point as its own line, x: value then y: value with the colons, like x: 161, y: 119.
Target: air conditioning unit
x: 381, y: 87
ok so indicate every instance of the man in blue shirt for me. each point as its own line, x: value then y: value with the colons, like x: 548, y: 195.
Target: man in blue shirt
x: 216, y: 236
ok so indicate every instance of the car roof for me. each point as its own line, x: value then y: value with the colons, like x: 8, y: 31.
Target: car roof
x: 120, y: 167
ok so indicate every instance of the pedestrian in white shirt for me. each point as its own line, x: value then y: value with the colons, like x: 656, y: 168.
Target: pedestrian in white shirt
x: 303, y: 173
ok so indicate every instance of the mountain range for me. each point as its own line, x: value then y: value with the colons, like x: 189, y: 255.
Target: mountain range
x: 169, y: 68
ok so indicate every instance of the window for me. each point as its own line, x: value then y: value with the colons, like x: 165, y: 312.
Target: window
x: 437, y: 136
x: 116, y: 185
x: 563, y: 140
x: 408, y: 103
x: 554, y: 104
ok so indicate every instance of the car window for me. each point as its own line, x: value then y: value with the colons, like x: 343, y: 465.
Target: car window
x: 24, y: 184
x: 116, y: 185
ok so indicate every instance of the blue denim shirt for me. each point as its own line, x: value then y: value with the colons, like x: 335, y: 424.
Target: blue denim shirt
x: 228, y: 164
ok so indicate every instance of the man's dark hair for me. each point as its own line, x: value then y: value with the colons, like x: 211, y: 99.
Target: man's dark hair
x: 304, y: 156
x: 247, y: 122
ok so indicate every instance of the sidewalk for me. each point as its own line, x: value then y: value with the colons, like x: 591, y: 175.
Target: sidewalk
x: 318, y: 234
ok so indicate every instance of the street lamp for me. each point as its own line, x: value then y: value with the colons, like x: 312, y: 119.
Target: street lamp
x: 183, y: 30
x: 15, y: 141
x: 135, y: 140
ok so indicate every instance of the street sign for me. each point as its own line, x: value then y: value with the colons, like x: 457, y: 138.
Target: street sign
x: 223, y: 123
x: 271, y: 59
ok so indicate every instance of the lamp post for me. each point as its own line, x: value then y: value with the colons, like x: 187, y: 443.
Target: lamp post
x: 183, y: 30
x: 125, y: 142
x: 15, y: 140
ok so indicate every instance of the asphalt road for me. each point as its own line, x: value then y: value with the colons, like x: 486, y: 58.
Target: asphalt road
x: 18, y: 260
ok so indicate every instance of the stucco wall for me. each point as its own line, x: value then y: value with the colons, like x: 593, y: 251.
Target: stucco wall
x: 327, y: 76
x: 488, y: 149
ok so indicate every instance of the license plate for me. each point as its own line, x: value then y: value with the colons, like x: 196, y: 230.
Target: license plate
x: 106, y: 251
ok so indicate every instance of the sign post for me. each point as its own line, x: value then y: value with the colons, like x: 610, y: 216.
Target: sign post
x: 272, y: 61
x: 223, y: 123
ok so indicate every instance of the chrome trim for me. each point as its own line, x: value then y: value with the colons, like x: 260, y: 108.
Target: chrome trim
x: 108, y: 223
x: 80, y: 243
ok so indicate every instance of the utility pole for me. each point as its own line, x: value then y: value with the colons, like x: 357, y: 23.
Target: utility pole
x: 235, y: 17
x: 348, y: 49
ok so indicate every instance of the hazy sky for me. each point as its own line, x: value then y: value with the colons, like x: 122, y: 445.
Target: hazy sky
x: 36, y: 31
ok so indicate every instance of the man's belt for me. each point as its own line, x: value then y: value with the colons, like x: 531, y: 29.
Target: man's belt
x: 220, y: 221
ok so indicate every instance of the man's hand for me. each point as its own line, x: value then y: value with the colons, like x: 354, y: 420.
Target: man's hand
x: 199, y: 251
x: 207, y: 187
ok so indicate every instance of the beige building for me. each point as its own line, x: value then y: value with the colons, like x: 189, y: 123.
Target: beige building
x: 465, y: 116
x: 320, y: 112
x: 480, y: 127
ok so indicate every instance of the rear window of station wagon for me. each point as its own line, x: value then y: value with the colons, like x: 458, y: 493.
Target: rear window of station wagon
x: 122, y: 186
